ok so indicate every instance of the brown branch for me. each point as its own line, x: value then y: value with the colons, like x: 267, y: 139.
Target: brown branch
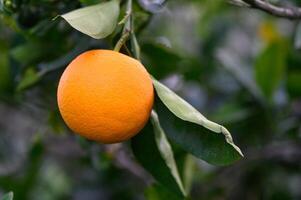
x: 289, y: 13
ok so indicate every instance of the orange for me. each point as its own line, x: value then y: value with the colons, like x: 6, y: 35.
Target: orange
x: 105, y: 96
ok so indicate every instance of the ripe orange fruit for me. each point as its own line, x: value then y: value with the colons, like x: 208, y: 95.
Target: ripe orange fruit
x: 105, y: 96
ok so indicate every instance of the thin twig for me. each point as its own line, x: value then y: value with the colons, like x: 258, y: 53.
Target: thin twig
x: 125, y: 18
x: 127, y: 29
x: 240, y: 3
x: 122, y: 41
x: 289, y: 13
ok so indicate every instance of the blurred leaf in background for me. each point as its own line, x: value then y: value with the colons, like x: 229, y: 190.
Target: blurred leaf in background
x: 270, y: 67
x: 8, y: 196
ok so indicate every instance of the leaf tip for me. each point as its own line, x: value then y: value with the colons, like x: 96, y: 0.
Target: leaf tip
x: 229, y: 140
x: 57, y: 16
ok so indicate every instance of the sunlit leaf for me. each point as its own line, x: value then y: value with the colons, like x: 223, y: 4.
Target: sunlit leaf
x: 97, y: 21
x: 192, y: 131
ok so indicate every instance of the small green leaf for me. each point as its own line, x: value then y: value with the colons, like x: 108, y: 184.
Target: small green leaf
x: 192, y: 131
x: 97, y: 21
x: 270, y: 66
x: 156, y: 156
x: 29, y: 78
x: 8, y: 196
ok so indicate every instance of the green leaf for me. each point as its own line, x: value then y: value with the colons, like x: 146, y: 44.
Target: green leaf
x: 97, y: 21
x: 152, y: 57
x: 153, y: 151
x: 231, y: 112
x: 158, y: 192
x: 192, y: 131
x: 89, y: 2
x: 65, y: 59
x: 8, y: 196
x: 166, y: 150
x: 29, y: 78
x: 56, y: 122
x: 293, y: 83
x: 240, y: 73
x: 28, y: 52
x: 135, y: 46
x: 270, y: 66
x: 188, y: 172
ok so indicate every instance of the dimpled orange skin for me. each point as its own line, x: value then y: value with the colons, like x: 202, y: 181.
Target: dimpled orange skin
x: 105, y: 96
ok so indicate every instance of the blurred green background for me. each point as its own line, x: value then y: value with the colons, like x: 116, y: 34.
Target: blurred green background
x: 239, y: 67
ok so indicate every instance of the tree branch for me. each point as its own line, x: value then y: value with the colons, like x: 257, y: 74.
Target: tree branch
x: 264, y: 5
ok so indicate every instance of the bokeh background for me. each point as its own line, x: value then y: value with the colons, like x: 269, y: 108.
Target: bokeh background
x: 239, y: 67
